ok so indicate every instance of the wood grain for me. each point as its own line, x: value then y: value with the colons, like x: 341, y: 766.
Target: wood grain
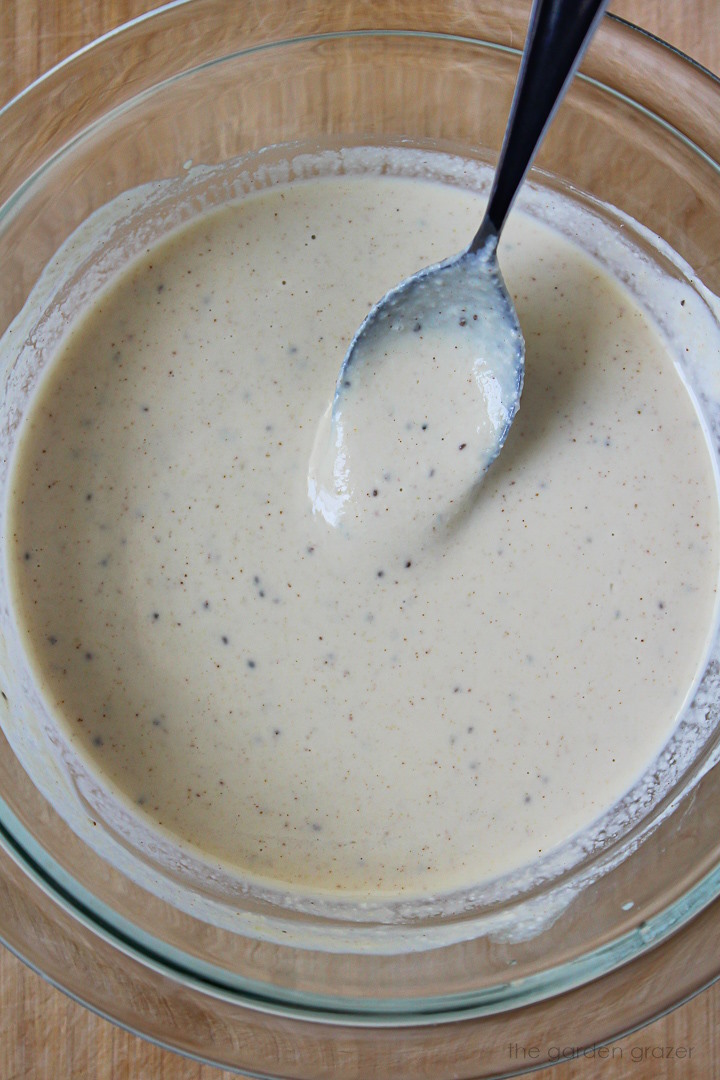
x: 43, y: 1034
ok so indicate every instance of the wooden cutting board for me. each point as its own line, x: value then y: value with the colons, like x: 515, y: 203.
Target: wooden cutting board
x: 45, y: 1035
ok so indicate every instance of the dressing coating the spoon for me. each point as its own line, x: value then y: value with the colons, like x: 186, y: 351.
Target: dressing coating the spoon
x: 428, y: 455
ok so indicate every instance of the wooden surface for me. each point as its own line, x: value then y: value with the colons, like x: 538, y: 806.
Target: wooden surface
x: 45, y: 1035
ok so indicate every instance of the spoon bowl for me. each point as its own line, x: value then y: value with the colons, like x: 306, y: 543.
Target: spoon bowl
x: 445, y: 415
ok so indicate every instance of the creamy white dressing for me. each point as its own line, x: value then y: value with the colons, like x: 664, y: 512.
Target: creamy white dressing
x: 397, y: 705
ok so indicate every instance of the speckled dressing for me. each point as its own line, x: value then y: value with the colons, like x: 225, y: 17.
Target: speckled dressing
x: 384, y: 707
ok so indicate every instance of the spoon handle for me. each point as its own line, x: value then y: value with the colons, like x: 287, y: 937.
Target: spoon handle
x: 558, y: 33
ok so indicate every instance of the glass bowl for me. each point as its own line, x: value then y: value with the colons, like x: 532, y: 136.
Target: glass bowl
x: 260, y: 980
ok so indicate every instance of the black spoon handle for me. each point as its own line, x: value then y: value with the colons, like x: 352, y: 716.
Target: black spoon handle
x: 558, y: 34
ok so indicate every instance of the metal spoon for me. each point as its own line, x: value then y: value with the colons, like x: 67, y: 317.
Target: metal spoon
x: 464, y: 299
